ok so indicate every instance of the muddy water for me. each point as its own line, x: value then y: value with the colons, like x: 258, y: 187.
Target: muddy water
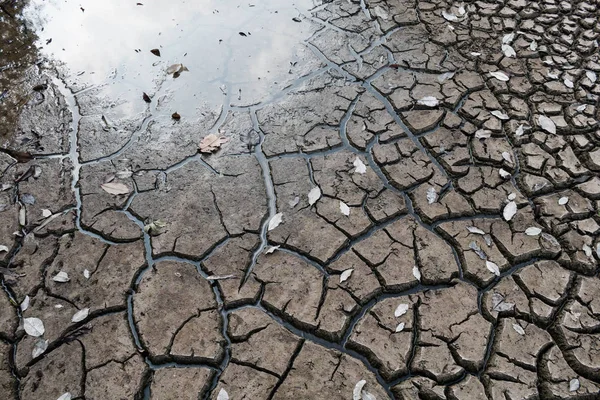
x: 237, y: 52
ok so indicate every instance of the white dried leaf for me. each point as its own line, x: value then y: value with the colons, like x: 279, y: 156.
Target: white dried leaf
x: 46, y: 213
x: 587, y: 250
x: 499, y: 304
x: 483, y: 134
x: 115, y: 188
x: 294, y: 202
x: 508, y: 38
x: 547, y: 124
x: 3, y: 249
x: 461, y: 10
x: 519, y: 329
x: 445, y: 76
x: 512, y: 196
x: 553, y: 75
x: 346, y: 275
x: 39, y: 348
x: 380, y: 12
x: 33, y: 327
x: 401, y: 310
x: 400, y: 327
x: 22, y: 216
x: 314, y: 195
x: 581, y: 108
x: 344, y: 209
x: 275, y: 221
x: 533, y: 231
x: 80, y: 315
x: 475, y: 54
x: 361, y: 168
x: 591, y: 75
x: 568, y: 83
x: 220, y: 277
x: 65, y: 396
x: 499, y: 114
x: 58, y: 306
x: 124, y: 174
x: 563, y: 200
x: 428, y: 101
x: 449, y: 16
x: 508, y: 51
x: 520, y: 130
x: 504, y: 174
x: 493, y: 267
x: 474, y: 229
x: 501, y: 76
x: 25, y: 303
x: 533, y: 45
x: 416, y: 273
x: 271, y: 249
x: 509, y: 210
x: 507, y: 156
x: 356, y: 393
x: 61, y: 277
x: 432, y: 195
x: 86, y: 274
x: 574, y: 385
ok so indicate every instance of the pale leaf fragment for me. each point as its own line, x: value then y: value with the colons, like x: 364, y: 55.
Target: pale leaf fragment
x: 115, y: 188
x: 446, y: 76
x: 223, y: 395
x: 492, y: 267
x: 344, y: 209
x: 65, y: 396
x: 449, y: 16
x: 294, y: 202
x: 432, y: 195
x: 39, y: 348
x: 507, y: 157
x: 46, y: 213
x: 401, y: 310
x: 574, y: 385
x: 509, y: 51
x: 501, y: 76
x: 499, y: 114
x: 581, y: 108
x: 428, y: 101
x: 563, y: 200
x: 483, y: 134
x: 568, y: 83
x: 547, y: 124
x: 86, y: 274
x: 61, y: 277
x: 400, y: 327
x: 591, y: 75
x: 220, y: 277
x: 80, y: 315
x: 314, y: 195
x: 25, y: 304
x: 271, y: 249
x: 520, y: 130
x: 587, y: 250
x: 533, y: 231
x: 519, y: 329
x: 361, y: 168
x: 22, y: 216
x: 509, y: 210
x: 416, y: 273
x: 504, y: 174
x: 533, y: 45
x: 356, y: 393
x: 367, y: 396
x: 33, y: 327
x: 499, y: 304
x: 346, y: 275
x: 474, y: 229
x: 4, y: 249
x: 212, y: 143
x: 275, y: 221
x: 508, y: 38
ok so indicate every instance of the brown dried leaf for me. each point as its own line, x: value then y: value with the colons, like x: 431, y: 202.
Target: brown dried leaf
x: 212, y: 143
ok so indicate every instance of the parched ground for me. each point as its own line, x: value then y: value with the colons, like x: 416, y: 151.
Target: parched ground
x: 449, y: 248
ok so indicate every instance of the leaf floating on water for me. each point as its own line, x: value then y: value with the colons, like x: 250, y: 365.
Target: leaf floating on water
x: 156, y: 52
x: 212, y: 143
x: 357, y: 392
x: 400, y: 327
x: 547, y: 124
x: 115, y: 188
x: 344, y: 209
x: 533, y: 231
x: 499, y: 114
x: 509, y: 210
x: 432, y: 195
x: 223, y: 395
x: 220, y: 277
x: 39, y: 348
x: 401, y: 310
x: 475, y: 230
x: 563, y: 200
x: 25, y: 304
x: 519, y: 329
x: 65, y: 396
x: 61, y: 277
x: 80, y: 315
x: 483, y: 134
x: 271, y: 249
x: 275, y: 221
x: 428, y: 101
x: 574, y: 385
x: 361, y: 168
x: 33, y: 327
x: 416, y: 273
x: 346, y: 275
x: 314, y: 195
x: 501, y: 76
x: 493, y: 268
x: 146, y: 98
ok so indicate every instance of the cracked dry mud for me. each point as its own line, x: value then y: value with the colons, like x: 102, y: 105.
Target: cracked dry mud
x: 421, y: 315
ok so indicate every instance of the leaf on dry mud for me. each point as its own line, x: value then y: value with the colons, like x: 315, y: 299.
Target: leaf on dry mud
x: 4, y: 249
x: 401, y: 310
x: 483, y: 134
x: 368, y: 396
x: 509, y: 51
x: 520, y: 130
x: 356, y: 393
x: 533, y: 45
x: 499, y: 114
x: 507, y: 157
x: 581, y: 108
x: 533, y: 231
x: 508, y: 38
x: 124, y: 174
x: 25, y: 303
x: 22, y: 216
x: 574, y: 385
x: 61, y: 277
x: 475, y: 247
x: 344, y: 209
x: 563, y: 200
x: 65, y: 396
x: 314, y: 195
x: 449, y: 16
x: 275, y: 221
x: 46, y: 213
x: 212, y: 143
x: 519, y: 329
x: 400, y: 327
x: 154, y: 227
x: 492, y: 267
x: 39, y: 348
x: 547, y: 124
x: 33, y: 327
x: 86, y: 273
x: 428, y: 101
x: 432, y: 195
x: 509, y: 210
x: 80, y: 315
x: 568, y: 83
x: 346, y: 275
x: 499, y: 304
x: 416, y: 273
x: 591, y: 75
x: 475, y: 230
x: 361, y: 168
x: 501, y: 76
x: 271, y: 249
x: 294, y: 202
x: 587, y: 250
x: 220, y: 277
x: 223, y: 395
x: 504, y: 174
x: 446, y: 76
x: 380, y: 12
x: 115, y: 188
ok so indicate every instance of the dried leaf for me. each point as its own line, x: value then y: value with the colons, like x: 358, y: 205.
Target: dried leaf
x: 587, y: 250
x: 483, y: 134
x: 519, y: 329
x: 501, y: 76
x: 507, y: 157
x: 428, y: 101
x: 314, y: 195
x: 493, y: 267
x: 156, y: 52
x: 22, y: 216
x: 400, y: 327
x: 504, y: 174
x: 508, y: 38
x: 220, y: 277
x: 380, y: 12
x: 520, y: 130
x: 271, y: 249
x: 361, y: 168
x: 512, y: 196
x: 533, y: 45
x: 547, y: 124
x: 432, y: 195
x: 39, y: 347
x: 115, y: 188
x: 473, y: 229
x: 294, y: 202
x: 346, y: 275
x: 446, y: 76
x: 563, y: 200
x: 65, y: 396
x: 508, y: 50
x: 61, y: 277
x: 212, y: 143
x: 581, y: 108
x: 568, y: 83
x: 356, y: 393
x: 475, y: 247
x: 46, y: 213
x: 3, y: 249
x: 80, y: 315
x: 591, y: 75
x: 25, y: 303
x: 146, y: 98
x: 401, y: 310
x: 533, y: 231
x: 488, y: 239
x: 86, y: 274
x: 449, y: 16
x: 275, y: 221
x: 176, y: 116
x: 498, y: 303
x: 124, y: 174
x: 499, y: 114
x: 416, y: 273
x: 33, y: 327
x: 509, y: 210
x: 574, y: 385
x: 344, y: 209
x: 368, y: 396
x: 223, y: 395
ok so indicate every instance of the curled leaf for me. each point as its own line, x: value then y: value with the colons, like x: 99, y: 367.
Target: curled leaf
x: 492, y: 267
x: 220, y: 277
x: 346, y: 275
x: 499, y: 114
x: 356, y: 393
x: 475, y: 230
x: 271, y: 249
x: 483, y: 134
